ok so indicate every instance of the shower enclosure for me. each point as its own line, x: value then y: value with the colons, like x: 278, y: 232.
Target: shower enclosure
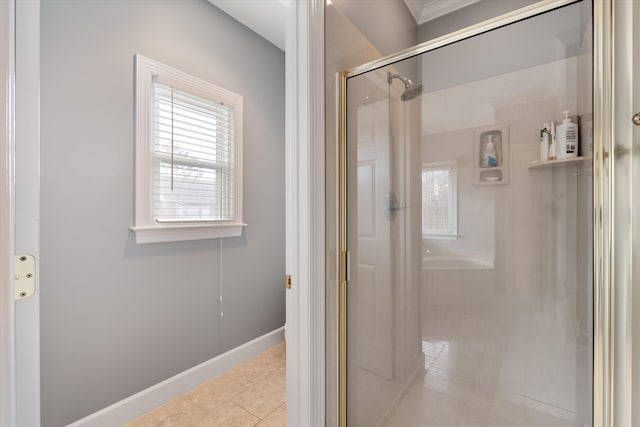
x: 467, y: 248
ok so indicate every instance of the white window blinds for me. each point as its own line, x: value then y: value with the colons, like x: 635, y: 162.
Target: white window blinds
x: 193, y: 155
x: 439, y: 215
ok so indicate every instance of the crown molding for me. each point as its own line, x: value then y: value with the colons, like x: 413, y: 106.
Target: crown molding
x: 428, y: 10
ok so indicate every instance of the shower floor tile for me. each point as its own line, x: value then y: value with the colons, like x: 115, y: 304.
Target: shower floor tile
x: 465, y: 383
x: 451, y: 401
x: 251, y: 394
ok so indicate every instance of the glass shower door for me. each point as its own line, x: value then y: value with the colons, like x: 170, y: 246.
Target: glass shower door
x: 385, y: 248
x: 470, y: 292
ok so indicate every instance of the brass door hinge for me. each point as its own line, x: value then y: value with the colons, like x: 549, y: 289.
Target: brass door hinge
x: 287, y: 281
x: 25, y: 276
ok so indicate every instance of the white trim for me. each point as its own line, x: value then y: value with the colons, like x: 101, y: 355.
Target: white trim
x: 27, y: 207
x: 316, y: 190
x: 425, y: 11
x: 7, y: 215
x: 173, y: 233
x: 291, y: 204
x: 625, y: 303
x: 441, y: 236
x: 145, y: 228
x: 134, y: 406
x: 291, y: 243
x: 305, y: 177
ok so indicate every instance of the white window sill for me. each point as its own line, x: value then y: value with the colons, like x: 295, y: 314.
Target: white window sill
x: 176, y: 233
x: 440, y: 236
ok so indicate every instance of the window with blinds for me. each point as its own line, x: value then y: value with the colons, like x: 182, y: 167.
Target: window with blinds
x: 439, y: 199
x: 193, y: 155
x: 188, y: 156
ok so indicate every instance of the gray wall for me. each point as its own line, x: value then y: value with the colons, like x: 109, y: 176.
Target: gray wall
x: 478, y: 12
x: 387, y: 24
x: 540, y: 40
x: 118, y: 317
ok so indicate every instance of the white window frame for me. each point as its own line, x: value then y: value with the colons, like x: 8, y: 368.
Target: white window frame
x: 452, y: 167
x: 146, y: 228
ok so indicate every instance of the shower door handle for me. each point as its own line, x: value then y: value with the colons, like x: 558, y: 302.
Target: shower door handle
x: 391, y: 205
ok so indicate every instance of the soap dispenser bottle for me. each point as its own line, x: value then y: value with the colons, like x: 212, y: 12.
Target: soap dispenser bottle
x: 489, y: 159
x: 567, y: 138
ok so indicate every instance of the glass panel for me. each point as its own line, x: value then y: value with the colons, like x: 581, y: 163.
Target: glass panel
x: 193, y: 172
x: 439, y: 194
x: 491, y: 323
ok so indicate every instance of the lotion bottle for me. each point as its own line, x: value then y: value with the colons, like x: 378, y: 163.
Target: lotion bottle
x: 490, y: 159
x: 567, y: 138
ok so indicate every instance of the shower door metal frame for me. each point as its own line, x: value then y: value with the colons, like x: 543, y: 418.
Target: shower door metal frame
x: 602, y: 191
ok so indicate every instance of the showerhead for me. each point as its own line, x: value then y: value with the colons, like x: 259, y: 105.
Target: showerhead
x: 412, y: 92
x: 411, y: 89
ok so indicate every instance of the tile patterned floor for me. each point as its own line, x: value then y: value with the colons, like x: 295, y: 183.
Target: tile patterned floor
x: 496, y: 366
x: 451, y: 391
x: 251, y: 394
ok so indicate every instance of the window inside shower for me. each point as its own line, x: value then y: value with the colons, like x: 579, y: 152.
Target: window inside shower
x: 439, y: 200
x: 492, y: 325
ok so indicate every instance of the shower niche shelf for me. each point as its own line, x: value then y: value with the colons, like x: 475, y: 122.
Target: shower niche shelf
x: 483, y: 172
x: 538, y: 164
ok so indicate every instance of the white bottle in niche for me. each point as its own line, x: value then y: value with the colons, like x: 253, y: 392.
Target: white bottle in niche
x: 489, y: 158
x: 567, y: 138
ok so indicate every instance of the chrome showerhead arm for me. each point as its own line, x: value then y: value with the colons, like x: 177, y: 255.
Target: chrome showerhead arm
x: 411, y: 89
x: 407, y: 83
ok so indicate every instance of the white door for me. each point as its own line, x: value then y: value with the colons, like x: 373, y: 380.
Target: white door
x: 374, y: 300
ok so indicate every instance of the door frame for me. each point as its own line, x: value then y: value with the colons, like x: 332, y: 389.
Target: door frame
x: 27, y: 205
x: 622, y: 63
x: 20, y: 193
x: 305, y: 259
x: 603, y: 200
x: 7, y: 215
x: 305, y: 213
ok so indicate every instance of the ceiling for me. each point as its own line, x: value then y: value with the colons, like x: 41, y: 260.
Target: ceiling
x: 268, y: 18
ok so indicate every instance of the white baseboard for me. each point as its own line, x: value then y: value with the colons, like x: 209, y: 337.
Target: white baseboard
x: 133, y: 406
